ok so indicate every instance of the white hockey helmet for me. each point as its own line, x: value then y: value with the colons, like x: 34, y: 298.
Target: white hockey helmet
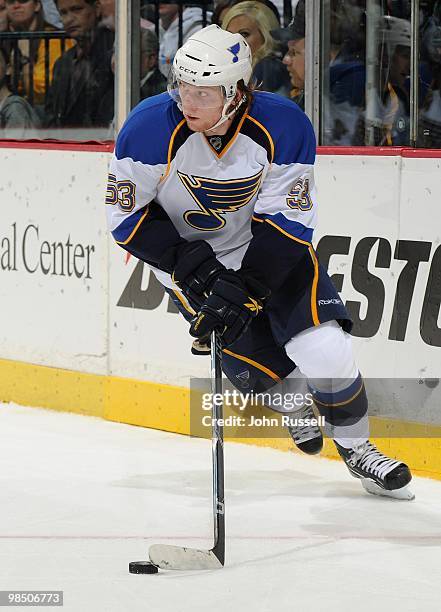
x: 212, y: 57
x: 396, y: 32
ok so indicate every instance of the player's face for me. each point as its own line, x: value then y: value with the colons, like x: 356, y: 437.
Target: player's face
x: 294, y: 60
x: 247, y: 27
x: 201, y: 106
x: 78, y: 17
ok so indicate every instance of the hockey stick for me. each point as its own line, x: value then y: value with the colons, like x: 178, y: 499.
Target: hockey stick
x: 167, y: 556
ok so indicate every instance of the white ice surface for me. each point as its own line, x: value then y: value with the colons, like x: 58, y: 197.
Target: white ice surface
x: 81, y: 497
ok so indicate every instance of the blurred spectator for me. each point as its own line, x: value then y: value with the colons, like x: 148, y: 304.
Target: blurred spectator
x: 153, y: 82
x: 345, y: 98
x: 347, y: 31
x: 293, y: 37
x: 81, y: 94
x: 30, y: 55
x: 430, y: 109
x: 107, y: 13
x: 3, y: 16
x: 394, y: 97
x: 148, y: 13
x: 222, y: 7
x: 255, y: 21
x: 17, y: 117
x: 399, y: 8
x: 51, y: 14
x: 108, y: 16
x: 387, y: 116
x: 169, y: 31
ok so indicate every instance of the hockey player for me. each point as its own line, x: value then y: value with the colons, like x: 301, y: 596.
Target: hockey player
x: 212, y: 185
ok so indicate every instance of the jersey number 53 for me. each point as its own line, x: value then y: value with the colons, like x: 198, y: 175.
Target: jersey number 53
x: 121, y: 193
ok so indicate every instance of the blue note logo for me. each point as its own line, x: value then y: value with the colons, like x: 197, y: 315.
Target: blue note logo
x: 244, y: 378
x: 216, y: 198
x: 235, y: 51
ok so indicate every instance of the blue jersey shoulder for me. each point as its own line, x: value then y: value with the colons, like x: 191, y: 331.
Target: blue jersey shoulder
x: 146, y: 133
x: 290, y: 129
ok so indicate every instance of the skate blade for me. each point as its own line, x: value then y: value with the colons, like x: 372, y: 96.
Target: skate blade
x: 404, y: 493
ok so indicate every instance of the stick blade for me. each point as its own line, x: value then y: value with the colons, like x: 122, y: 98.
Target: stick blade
x: 171, y: 557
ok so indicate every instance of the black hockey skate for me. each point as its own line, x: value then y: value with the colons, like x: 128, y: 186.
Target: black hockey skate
x: 379, y: 474
x: 307, y: 438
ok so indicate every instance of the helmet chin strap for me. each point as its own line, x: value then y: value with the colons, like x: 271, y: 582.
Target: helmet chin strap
x: 224, y: 115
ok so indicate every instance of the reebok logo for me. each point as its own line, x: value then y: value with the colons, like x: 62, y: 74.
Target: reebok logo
x: 327, y: 302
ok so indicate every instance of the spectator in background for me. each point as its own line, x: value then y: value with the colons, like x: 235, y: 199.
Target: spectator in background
x: 107, y: 14
x: 51, y: 14
x: 169, y: 31
x: 399, y: 8
x: 255, y: 21
x: 293, y: 37
x: 81, y: 94
x: 430, y: 109
x: 346, y: 97
x: 153, y: 82
x: 28, y: 16
x: 3, y: 16
x: 223, y: 6
x: 386, y: 119
x: 17, y: 117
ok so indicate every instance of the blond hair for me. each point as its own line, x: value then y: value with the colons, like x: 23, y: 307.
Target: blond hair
x: 265, y: 21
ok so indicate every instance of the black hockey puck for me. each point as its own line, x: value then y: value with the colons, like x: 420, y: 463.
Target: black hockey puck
x: 142, y: 567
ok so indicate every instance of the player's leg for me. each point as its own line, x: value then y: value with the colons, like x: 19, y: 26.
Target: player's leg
x: 324, y: 355
x: 256, y: 363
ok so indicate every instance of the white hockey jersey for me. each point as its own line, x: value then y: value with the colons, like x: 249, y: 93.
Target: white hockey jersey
x: 265, y: 170
x: 250, y: 194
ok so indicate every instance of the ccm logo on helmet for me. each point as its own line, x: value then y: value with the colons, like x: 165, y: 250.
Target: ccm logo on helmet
x: 188, y: 70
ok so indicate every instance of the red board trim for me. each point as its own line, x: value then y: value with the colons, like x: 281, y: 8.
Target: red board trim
x: 108, y: 147
x: 57, y: 145
x: 380, y: 151
x: 425, y: 153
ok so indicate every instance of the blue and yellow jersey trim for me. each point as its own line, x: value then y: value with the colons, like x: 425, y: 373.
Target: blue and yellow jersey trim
x: 286, y: 127
x: 150, y: 130
x: 125, y: 231
x: 298, y: 233
x: 254, y: 363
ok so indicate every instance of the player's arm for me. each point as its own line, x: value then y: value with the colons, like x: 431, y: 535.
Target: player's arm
x: 137, y: 222
x: 148, y: 233
x: 142, y: 227
x: 285, y: 212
